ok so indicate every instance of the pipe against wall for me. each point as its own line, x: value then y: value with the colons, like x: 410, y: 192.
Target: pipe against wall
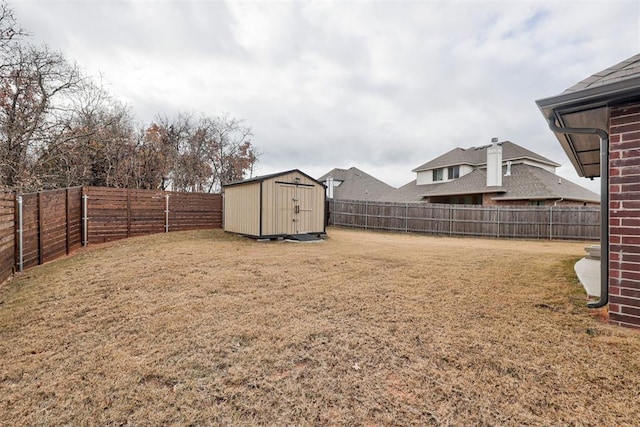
x: 604, y: 204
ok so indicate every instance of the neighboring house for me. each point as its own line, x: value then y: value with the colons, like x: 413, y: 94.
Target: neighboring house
x: 354, y: 184
x: 502, y: 173
x: 597, y: 122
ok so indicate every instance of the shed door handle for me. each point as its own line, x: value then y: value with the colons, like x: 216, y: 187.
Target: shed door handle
x: 297, y: 209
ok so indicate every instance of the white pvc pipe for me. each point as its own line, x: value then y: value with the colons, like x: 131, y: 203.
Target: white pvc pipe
x: 85, y: 221
x: 166, y: 214
x: 20, y: 233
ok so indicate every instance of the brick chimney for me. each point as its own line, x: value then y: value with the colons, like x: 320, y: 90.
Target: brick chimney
x: 494, y: 164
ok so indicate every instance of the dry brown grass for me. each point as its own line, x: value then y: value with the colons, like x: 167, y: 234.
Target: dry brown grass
x: 205, y: 328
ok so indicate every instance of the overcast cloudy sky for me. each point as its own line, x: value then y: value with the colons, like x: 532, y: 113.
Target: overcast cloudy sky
x: 381, y: 85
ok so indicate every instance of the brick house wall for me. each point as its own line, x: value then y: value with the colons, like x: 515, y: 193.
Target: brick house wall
x: 487, y: 201
x: 624, y: 211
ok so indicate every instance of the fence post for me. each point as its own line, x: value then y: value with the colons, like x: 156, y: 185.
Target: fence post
x: 68, y: 219
x: 450, y: 220
x: 40, y: 230
x: 366, y: 215
x: 20, y: 233
x: 406, y: 217
x: 85, y: 221
x: 551, y: 222
x: 166, y: 213
x: 498, y: 221
x: 128, y: 212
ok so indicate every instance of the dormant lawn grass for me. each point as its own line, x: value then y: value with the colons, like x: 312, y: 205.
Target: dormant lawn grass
x: 206, y: 328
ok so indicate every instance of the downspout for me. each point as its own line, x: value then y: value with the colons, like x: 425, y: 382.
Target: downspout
x: 604, y: 205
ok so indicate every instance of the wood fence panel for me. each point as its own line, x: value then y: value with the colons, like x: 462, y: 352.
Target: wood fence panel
x: 74, y: 218
x: 146, y: 212
x: 523, y: 222
x: 116, y: 213
x: 107, y: 214
x: 574, y: 222
x: 30, y: 230
x: 194, y: 211
x: 53, y: 225
x: 7, y: 235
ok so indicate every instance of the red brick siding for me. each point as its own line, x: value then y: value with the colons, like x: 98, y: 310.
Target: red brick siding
x: 487, y: 201
x: 624, y: 210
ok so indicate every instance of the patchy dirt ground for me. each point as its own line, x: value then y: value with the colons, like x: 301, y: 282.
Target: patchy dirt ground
x: 205, y: 328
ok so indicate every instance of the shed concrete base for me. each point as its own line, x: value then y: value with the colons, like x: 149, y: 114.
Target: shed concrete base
x: 588, y: 272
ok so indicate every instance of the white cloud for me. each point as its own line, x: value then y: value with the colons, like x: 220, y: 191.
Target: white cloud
x: 383, y: 85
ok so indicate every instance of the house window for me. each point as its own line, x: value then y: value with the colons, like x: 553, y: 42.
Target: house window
x: 437, y: 174
x: 453, y: 172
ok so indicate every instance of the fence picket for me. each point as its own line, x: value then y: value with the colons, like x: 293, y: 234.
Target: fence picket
x: 525, y: 222
x: 54, y: 223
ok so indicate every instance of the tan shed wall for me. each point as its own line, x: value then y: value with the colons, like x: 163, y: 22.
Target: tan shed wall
x: 242, y: 209
x: 275, y: 219
x: 242, y: 206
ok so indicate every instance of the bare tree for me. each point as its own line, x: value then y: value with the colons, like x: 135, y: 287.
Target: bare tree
x: 206, y: 152
x: 230, y: 154
x: 97, y: 144
x: 29, y: 89
x: 10, y: 34
x: 60, y: 129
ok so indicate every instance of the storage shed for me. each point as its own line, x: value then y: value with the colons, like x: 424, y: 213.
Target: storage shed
x: 276, y: 205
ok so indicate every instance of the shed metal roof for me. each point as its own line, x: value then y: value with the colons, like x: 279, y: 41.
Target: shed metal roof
x: 269, y: 176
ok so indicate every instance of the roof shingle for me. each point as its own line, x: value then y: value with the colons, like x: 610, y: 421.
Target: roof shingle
x: 477, y: 156
x: 358, y: 185
x: 621, y: 71
x: 525, y: 183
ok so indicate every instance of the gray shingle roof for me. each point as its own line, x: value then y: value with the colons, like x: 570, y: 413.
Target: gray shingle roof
x: 476, y: 156
x: 621, y: 71
x: 530, y: 182
x: 358, y: 185
x: 586, y: 104
x: 525, y: 183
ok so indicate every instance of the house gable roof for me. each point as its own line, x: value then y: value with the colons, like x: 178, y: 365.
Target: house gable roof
x: 471, y: 183
x: 477, y: 156
x: 532, y: 183
x: 585, y: 105
x: 526, y: 182
x: 358, y: 185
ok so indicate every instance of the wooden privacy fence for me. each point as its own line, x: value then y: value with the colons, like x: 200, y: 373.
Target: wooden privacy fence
x: 48, y: 225
x: 7, y: 235
x: 40, y: 227
x: 114, y: 213
x: 527, y: 222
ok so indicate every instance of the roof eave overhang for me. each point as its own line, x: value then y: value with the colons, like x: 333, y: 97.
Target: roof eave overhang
x: 556, y: 198
x: 517, y: 158
x: 423, y: 169
x: 592, y: 101
x: 462, y: 193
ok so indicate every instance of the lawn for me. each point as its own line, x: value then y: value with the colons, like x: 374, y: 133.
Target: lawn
x: 375, y: 329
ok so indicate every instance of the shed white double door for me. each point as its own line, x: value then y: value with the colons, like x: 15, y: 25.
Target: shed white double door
x: 294, y: 207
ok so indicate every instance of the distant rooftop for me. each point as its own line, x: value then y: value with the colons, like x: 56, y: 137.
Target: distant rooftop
x: 525, y: 183
x: 477, y: 156
x: 358, y: 185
